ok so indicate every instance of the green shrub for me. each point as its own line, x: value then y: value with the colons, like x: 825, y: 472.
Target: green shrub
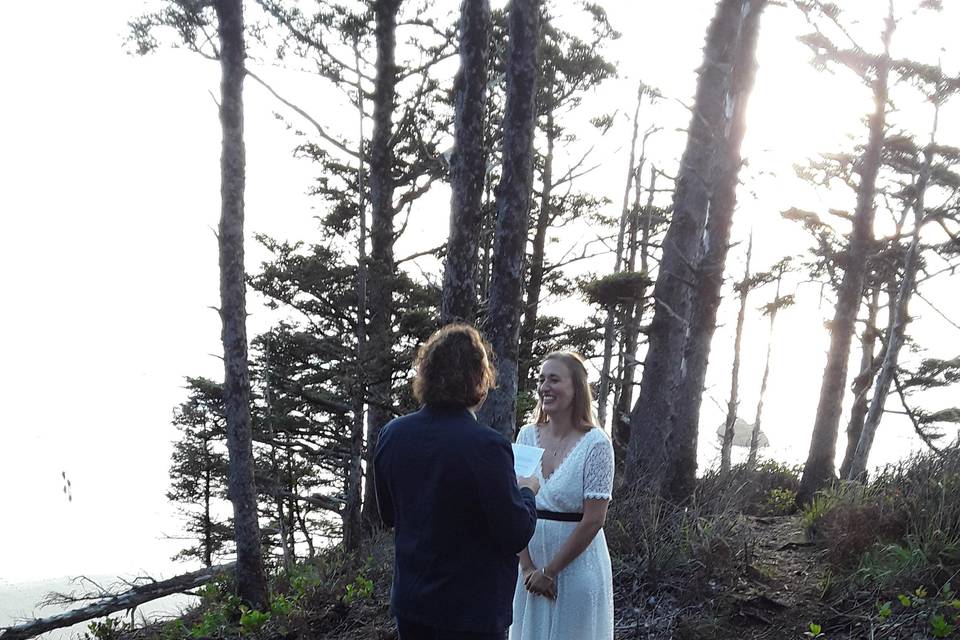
x: 749, y: 488
x: 779, y: 502
x: 669, y: 544
x: 902, y: 528
x: 851, y: 520
x: 252, y: 620
x: 107, y: 629
x: 359, y: 589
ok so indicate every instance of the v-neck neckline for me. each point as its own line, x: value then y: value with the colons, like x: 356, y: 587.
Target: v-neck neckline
x: 536, y: 433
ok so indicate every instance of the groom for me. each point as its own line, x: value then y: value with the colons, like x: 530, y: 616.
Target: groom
x: 446, y: 484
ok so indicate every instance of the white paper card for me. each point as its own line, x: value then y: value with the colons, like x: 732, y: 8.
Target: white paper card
x: 525, y: 459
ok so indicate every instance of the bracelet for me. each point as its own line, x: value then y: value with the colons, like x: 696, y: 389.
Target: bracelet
x: 543, y: 572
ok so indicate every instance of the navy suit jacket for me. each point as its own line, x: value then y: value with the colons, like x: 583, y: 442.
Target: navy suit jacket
x: 446, y: 484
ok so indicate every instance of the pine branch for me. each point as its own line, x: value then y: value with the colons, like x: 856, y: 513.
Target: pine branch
x: 914, y: 419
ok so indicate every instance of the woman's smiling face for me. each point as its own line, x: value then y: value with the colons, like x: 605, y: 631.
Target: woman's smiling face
x: 555, y: 388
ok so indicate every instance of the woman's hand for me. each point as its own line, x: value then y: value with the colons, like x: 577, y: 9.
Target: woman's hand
x: 527, y: 573
x: 540, y: 583
x: 529, y: 482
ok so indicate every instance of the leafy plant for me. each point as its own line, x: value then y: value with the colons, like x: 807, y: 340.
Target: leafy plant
x: 940, y: 627
x: 280, y: 605
x: 174, y: 630
x: 214, y: 622
x: 812, y: 513
x: 885, y: 610
x: 107, y: 629
x: 359, y: 589
x: 779, y: 502
x: 252, y: 620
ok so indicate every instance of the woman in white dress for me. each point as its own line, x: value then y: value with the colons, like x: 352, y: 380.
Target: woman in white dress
x: 565, y: 587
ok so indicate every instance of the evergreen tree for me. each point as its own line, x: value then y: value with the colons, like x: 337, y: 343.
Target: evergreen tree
x: 251, y: 579
x: 198, y: 470
x: 468, y: 164
x: 819, y: 468
x: 664, y: 419
x: 513, y: 204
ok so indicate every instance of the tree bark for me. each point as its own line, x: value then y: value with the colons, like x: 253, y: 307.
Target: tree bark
x: 608, y: 324
x: 535, y: 270
x: 352, y: 520
x: 207, y: 500
x: 631, y: 324
x: 733, y: 403
x: 819, y: 468
x: 681, y: 474
x: 664, y: 419
x: 468, y: 165
x: 863, y: 381
x: 513, y: 208
x: 382, y: 269
x: 895, y: 337
x: 251, y: 579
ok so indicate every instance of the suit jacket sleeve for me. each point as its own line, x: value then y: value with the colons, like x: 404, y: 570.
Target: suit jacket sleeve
x: 380, y: 483
x: 511, y: 513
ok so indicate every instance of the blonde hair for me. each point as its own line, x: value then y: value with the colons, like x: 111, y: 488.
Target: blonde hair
x: 582, y: 406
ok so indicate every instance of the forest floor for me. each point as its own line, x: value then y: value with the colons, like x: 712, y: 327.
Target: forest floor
x: 772, y: 589
x: 776, y: 584
x: 736, y: 561
x: 776, y: 595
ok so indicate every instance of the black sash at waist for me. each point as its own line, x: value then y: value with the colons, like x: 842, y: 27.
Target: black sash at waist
x: 559, y: 516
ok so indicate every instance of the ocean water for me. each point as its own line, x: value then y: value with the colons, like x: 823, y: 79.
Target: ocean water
x: 18, y: 603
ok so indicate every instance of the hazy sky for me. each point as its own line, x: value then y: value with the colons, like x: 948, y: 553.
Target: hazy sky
x: 110, y: 192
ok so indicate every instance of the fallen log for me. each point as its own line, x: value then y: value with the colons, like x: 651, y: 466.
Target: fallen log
x: 111, y: 604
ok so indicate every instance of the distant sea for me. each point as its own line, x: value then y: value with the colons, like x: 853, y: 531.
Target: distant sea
x: 18, y: 603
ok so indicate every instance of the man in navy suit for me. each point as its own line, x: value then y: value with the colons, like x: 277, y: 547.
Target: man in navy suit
x: 446, y: 484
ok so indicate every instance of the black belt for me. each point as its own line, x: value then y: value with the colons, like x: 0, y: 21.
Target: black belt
x: 559, y: 516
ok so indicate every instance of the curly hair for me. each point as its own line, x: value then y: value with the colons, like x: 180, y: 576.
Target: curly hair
x: 454, y: 368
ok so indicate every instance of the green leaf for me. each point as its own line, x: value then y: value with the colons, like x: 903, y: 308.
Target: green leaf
x: 941, y: 628
x: 885, y: 610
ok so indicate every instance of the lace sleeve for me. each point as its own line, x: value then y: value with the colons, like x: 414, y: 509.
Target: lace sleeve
x: 527, y: 436
x: 598, y: 471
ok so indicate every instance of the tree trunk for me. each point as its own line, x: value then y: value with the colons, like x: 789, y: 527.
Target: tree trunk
x: 608, y: 325
x: 681, y: 474
x: 468, y: 165
x: 207, y: 500
x: 382, y: 268
x: 863, y: 381
x: 513, y: 207
x: 733, y: 403
x: 352, y: 521
x: 486, y: 246
x: 758, y: 418
x: 673, y: 371
x: 251, y: 579
x: 819, y: 468
x: 858, y: 465
x: 286, y: 547
x: 535, y: 269
x: 631, y: 324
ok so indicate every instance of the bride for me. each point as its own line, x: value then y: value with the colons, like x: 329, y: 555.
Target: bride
x: 565, y: 587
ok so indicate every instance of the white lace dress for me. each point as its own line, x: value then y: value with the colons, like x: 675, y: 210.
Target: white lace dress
x: 583, y: 609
